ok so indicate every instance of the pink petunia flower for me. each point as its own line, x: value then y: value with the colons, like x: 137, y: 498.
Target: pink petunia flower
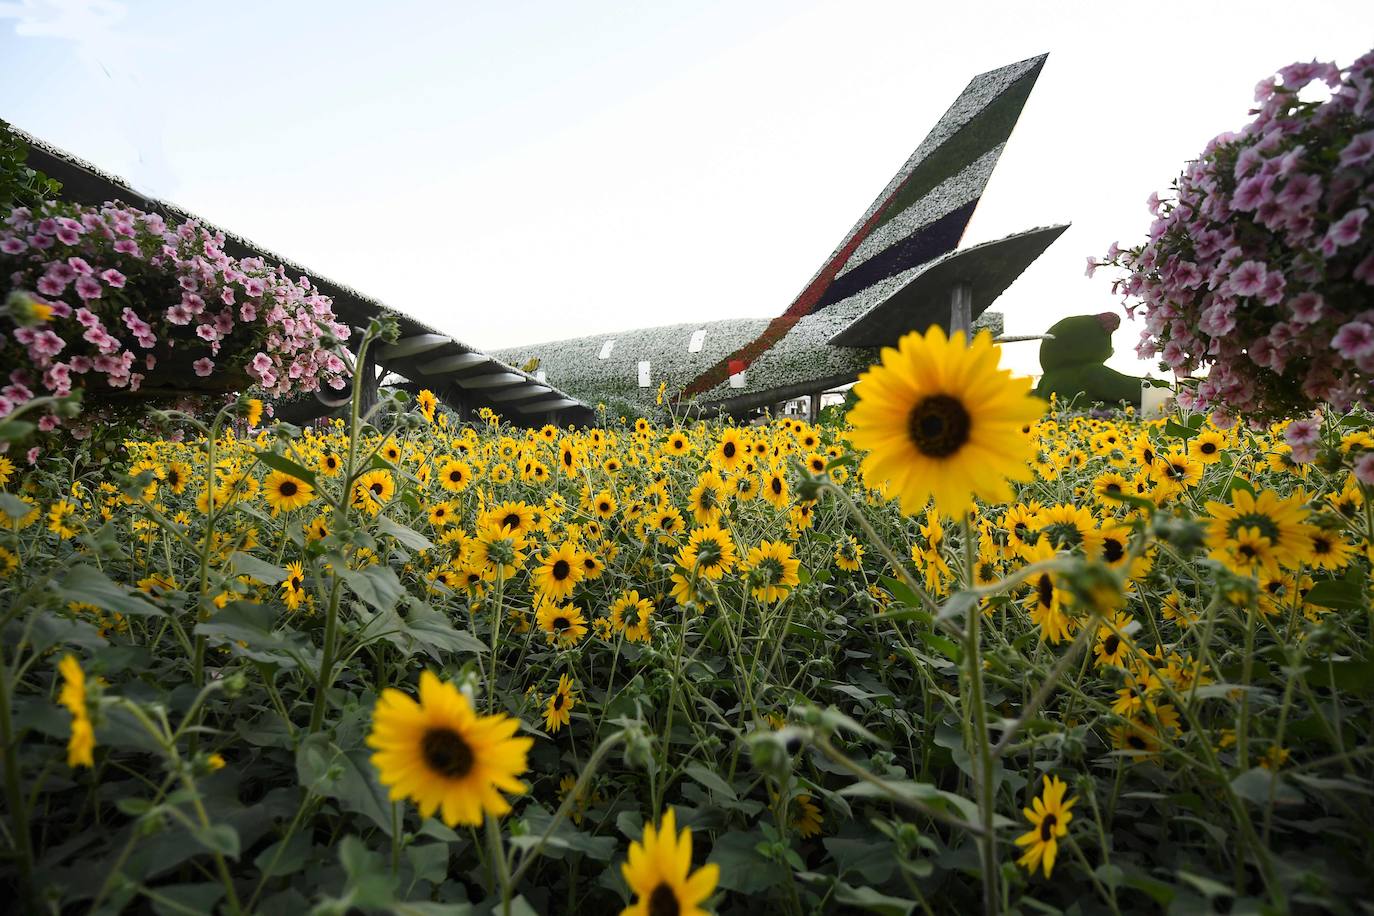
x: 1364, y: 469
x: 1355, y: 339
x: 1247, y: 279
x: 203, y: 366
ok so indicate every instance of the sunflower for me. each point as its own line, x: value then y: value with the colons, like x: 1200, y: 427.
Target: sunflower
x: 666, y: 523
x: 848, y: 553
x: 254, y: 414
x: 427, y: 403
x: 730, y: 449
x: 455, y: 475
x: 444, y: 756
x: 285, y: 493
x: 1330, y: 550
x: 659, y: 871
x: 805, y: 817
x: 1207, y: 446
x: 373, y: 490
x: 1050, y: 817
x: 497, y: 548
x: 57, y: 518
x: 293, y: 586
x: 1247, y: 553
x: 707, y: 498
x: 630, y: 616
x: 559, y: 711
x: 775, y: 489
x: 318, y: 529
x: 441, y: 514
x: 178, y: 476
x: 771, y: 571
x: 1113, y: 644
x: 1047, y: 599
x: 603, y: 504
x: 517, y: 517
x: 563, y: 623
x: 6, y: 470
x: 1067, y: 526
x: 558, y: 572
x: 329, y: 464
x: 568, y: 458
x: 81, y: 744
x: 939, y: 419
x: 676, y: 444
x: 710, y: 551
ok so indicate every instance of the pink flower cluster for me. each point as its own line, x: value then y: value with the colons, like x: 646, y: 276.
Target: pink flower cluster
x: 1260, y: 267
x: 128, y: 291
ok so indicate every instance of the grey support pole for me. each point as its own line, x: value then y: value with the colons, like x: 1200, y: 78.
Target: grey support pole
x: 370, y: 389
x: 815, y: 407
x: 961, y: 308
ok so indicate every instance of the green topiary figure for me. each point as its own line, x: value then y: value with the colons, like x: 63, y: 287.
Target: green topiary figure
x: 1073, y: 362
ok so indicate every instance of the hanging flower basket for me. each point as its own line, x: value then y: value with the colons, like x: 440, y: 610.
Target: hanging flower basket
x: 118, y: 304
x: 1260, y: 266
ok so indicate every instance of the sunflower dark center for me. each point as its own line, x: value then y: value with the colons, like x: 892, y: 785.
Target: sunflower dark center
x: 1208, y: 448
x: 446, y: 753
x: 728, y: 450
x: 377, y: 488
x: 1113, y: 550
x: 1111, y: 644
x: 558, y: 699
x: 1047, y: 827
x: 173, y: 477
x: 1248, y: 551
x: 938, y: 426
x: 561, y: 623
x: 776, y: 484
x: 663, y: 902
x: 455, y: 476
x: 561, y: 569
x: 1136, y: 743
x: 1113, y: 487
x: 511, y: 521
x: 1321, y: 546
x: 1044, y: 589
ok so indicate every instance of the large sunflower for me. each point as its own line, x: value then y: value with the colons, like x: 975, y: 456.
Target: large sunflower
x: 558, y: 572
x: 939, y: 419
x: 771, y: 571
x: 659, y: 871
x: 443, y: 756
x: 563, y: 623
x: 710, y: 550
x: 284, y: 492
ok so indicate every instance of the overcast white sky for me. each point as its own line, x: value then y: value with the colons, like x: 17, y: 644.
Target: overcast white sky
x: 527, y: 170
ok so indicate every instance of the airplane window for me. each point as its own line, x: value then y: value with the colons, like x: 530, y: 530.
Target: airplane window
x: 644, y: 376
x: 698, y: 338
x: 606, y: 349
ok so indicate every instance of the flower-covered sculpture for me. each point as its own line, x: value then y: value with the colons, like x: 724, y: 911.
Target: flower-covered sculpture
x: 1261, y: 265
x: 1072, y: 361
x: 113, y: 300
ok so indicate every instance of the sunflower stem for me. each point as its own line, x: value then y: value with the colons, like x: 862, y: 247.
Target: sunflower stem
x: 982, y: 749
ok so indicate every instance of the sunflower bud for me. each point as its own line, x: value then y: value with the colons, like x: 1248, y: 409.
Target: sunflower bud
x: 25, y: 310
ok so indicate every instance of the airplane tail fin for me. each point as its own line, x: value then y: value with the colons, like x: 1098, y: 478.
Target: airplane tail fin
x: 923, y: 211
x: 920, y: 215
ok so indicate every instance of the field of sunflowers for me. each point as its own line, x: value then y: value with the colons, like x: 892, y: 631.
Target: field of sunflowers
x: 402, y: 663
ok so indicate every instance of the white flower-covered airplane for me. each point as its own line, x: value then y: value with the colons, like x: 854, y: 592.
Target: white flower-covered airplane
x: 896, y: 270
